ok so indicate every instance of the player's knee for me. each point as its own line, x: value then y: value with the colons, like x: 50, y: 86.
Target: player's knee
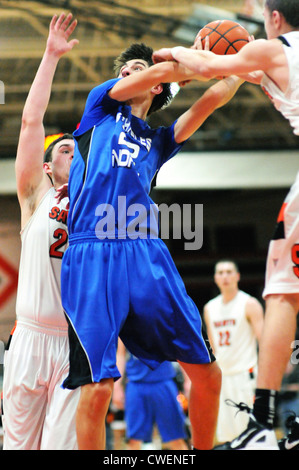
x: 214, y: 379
x: 208, y: 376
x: 96, y: 397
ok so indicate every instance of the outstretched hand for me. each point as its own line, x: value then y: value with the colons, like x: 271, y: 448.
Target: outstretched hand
x: 165, y: 55
x: 198, y: 43
x: 198, y: 46
x: 59, y: 33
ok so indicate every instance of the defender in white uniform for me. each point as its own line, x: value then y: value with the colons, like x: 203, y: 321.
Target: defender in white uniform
x: 38, y: 412
x: 283, y: 257
x: 234, y: 322
x: 272, y: 63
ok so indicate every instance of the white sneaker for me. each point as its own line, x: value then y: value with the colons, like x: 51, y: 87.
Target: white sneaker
x: 255, y: 437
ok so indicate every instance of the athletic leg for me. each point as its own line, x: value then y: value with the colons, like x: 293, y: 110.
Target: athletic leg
x: 275, y: 350
x: 203, y: 402
x: 91, y: 413
x: 278, y: 334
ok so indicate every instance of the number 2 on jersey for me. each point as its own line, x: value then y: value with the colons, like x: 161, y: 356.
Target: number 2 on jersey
x: 62, y: 238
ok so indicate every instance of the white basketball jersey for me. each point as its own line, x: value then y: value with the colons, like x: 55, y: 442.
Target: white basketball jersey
x: 233, y: 339
x: 44, y: 240
x: 287, y: 103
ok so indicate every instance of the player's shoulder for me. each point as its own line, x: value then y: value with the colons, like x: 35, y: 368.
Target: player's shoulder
x: 244, y: 294
x: 272, y: 46
x: 101, y: 90
x: 263, y: 47
x: 252, y: 302
x: 212, y: 302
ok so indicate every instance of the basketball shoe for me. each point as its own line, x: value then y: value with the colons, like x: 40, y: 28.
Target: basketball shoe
x: 291, y: 441
x: 255, y: 437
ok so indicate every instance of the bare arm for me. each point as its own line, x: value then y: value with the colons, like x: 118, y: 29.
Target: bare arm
x: 29, y: 161
x: 136, y: 84
x: 218, y: 95
x: 255, y: 56
x: 215, y: 97
x: 255, y: 316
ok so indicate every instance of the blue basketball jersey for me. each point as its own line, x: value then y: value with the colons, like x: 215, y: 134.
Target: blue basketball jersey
x: 128, y: 287
x: 116, y: 158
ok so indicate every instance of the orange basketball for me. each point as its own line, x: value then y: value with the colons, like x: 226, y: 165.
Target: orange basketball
x: 226, y: 36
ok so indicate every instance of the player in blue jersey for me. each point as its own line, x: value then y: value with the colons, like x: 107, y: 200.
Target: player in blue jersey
x: 149, y: 397
x: 118, y: 278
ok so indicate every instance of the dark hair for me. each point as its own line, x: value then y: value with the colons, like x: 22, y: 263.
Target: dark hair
x: 48, y: 152
x: 288, y: 8
x: 141, y: 51
x: 225, y: 260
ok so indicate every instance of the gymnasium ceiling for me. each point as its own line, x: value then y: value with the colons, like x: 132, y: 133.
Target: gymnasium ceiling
x: 104, y: 29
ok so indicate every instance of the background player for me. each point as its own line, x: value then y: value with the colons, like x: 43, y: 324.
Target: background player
x: 234, y: 321
x: 149, y: 398
x: 118, y: 155
x: 277, y: 66
x: 38, y: 412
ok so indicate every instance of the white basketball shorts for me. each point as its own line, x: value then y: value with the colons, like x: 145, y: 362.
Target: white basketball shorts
x: 282, y: 272
x: 37, y: 412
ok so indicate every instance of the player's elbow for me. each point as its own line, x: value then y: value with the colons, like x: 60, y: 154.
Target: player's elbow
x: 30, y: 120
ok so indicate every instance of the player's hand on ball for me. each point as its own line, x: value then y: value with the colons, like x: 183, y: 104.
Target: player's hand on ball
x: 198, y: 43
x: 198, y: 46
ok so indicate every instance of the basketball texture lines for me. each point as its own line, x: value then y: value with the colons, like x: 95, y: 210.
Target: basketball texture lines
x: 225, y: 36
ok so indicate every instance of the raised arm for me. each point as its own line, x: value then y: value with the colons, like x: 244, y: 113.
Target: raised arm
x: 254, y: 56
x: 31, y: 179
x: 214, y: 97
x: 136, y: 84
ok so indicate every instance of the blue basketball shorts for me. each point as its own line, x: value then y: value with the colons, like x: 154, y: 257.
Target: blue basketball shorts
x: 153, y: 403
x: 129, y: 289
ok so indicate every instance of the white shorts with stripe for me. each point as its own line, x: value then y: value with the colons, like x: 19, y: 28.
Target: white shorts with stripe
x: 37, y: 412
x: 282, y: 272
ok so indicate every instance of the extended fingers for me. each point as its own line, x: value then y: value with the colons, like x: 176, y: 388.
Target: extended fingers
x: 198, y: 43
x: 53, y: 22
x: 58, y: 22
x: 207, y: 43
x: 71, y: 28
x: 62, y: 23
x: 65, y: 23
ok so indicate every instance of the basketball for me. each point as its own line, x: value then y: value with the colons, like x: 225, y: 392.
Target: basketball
x: 226, y: 36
